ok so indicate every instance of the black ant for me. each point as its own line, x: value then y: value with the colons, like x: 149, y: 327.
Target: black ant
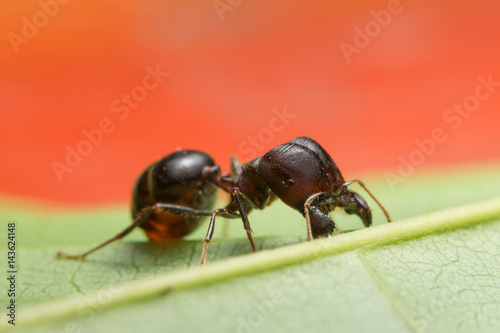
x: 171, y: 196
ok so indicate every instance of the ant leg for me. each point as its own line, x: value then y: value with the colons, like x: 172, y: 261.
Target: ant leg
x: 244, y: 217
x: 139, y: 219
x: 373, y: 197
x: 210, y: 233
x: 180, y: 210
x: 234, y: 172
x: 307, y: 207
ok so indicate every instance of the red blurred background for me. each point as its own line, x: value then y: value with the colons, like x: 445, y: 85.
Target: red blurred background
x: 65, y: 66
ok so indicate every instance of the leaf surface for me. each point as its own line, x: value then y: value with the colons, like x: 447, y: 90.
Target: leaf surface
x: 437, y: 272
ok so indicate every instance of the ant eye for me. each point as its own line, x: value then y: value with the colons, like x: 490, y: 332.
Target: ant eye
x: 290, y: 182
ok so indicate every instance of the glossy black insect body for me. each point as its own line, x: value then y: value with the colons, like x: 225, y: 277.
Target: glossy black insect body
x: 171, y: 197
x: 176, y: 179
x: 304, y: 176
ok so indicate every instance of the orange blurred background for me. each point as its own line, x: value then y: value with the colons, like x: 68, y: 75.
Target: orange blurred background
x: 364, y: 79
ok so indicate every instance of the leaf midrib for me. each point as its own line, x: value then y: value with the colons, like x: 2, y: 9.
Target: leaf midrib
x: 381, y: 235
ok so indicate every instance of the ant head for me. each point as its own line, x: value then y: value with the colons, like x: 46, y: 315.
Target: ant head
x: 353, y: 203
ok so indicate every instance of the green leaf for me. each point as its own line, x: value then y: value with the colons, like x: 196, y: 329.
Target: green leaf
x: 435, y: 272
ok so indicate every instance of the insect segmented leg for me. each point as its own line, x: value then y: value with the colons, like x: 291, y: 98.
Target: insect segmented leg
x: 210, y: 233
x: 228, y: 213
x: 244, y: 217
x: 307, y: 207
x: 139, y: 219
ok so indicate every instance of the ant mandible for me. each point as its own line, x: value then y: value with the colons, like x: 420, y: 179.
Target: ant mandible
x: 171, y: 197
